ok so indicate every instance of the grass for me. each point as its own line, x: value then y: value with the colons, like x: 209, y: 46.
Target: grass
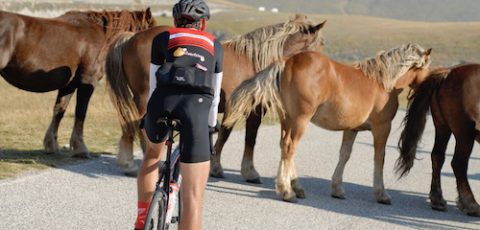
x: 25, y: 116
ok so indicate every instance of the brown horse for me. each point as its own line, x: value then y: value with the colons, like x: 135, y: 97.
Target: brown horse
x: 311, y: 87
x: 128, y: 69
x: 66, y: 53
x: 453, y: 95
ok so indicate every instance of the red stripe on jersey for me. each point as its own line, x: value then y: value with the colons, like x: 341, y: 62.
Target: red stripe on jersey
x: 188, y: 37
x: 175, y: 44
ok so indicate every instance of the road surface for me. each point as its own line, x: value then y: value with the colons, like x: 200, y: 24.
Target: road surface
x: 95, y: 195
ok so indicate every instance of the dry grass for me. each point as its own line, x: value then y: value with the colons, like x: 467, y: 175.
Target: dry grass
x: 25, y: 116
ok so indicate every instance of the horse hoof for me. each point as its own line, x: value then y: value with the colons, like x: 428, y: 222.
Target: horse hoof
x: 297, y: 188
x: 471, y: 209
x: 474, y: 213
x: 439, y: 207
x: 289, y: 197
x: 383, y: 197
x: 133, y: 173
x: 338, y: 193
x: 385, y: 201
x: 216, y: 170
x: 341, y: 196
x: 300, y: 194
x: 438, y: 204
x: 254, y: 181
x: 83, y: 155
x: 218, y: 175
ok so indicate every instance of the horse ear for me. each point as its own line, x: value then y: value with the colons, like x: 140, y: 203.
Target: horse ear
x: 104, y: 23
x: 148, y: 11
x: 317, y: 27
x: 428, y: 52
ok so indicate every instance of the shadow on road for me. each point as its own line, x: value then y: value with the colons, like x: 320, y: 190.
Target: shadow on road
x: 409, y: 208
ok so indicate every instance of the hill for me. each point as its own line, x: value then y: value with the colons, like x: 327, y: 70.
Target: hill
x: 417, y: 10
x: 354, y: 37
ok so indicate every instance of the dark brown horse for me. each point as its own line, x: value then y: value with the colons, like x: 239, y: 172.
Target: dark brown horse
x: 128, y: 69
x: 66, y: 53
x: 309, y: 87
x: 453, y: 96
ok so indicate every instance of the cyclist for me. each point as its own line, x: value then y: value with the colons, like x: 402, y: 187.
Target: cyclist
x: 185, y: 80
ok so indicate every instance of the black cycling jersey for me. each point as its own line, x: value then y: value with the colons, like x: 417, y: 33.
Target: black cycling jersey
x: 175, y: 51
x: 187, y: 58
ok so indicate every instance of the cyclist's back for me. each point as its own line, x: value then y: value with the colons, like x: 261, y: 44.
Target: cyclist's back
x: 185, y: 88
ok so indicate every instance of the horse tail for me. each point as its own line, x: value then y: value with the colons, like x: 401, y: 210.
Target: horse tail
x: 414, y: 121
x: 262, y: 90
x: 119, y: 90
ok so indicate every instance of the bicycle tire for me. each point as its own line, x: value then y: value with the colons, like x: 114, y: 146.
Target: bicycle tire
x: 158, y: 207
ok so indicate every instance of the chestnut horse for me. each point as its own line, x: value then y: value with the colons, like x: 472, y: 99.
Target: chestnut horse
x: 311, y: 87
x: 453, y: 95
x: 128, y: 76
x: 66, y: 53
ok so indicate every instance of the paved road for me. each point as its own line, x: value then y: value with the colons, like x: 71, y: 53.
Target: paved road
x: 95, y: 195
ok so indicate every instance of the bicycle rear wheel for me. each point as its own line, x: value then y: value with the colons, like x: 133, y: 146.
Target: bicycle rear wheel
x: 156, y: 213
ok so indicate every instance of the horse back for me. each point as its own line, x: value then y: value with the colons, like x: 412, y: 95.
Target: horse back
x: 11, y: 29
x: 136, y: 58
x: 463, y: 89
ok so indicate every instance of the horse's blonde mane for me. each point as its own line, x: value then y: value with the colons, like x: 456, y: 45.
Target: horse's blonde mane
x: 265, y: 45
x: 387, y: 67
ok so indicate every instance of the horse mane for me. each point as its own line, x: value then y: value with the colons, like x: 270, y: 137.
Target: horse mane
x: 265, y: 45
x: 387, y: 66
x: 112, y: 21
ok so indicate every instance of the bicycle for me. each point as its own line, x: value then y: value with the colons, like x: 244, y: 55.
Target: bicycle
x: 168, y: 185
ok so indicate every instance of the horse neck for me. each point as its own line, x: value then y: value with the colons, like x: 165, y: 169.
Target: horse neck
x: 237, y: 64
x: 354, y: 80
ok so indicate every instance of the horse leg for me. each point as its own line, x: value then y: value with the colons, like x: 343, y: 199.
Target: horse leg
x: 77, y: 143
x: 248, y: 168
x: 125, y: 145
x: 463, y: 149
x: 287, y: 184
x: 125, y: 154
x: 442, y: 136
x: 50, y: 141
x: 345, y: 152
x: 216, y: 169
x: 380, y: 135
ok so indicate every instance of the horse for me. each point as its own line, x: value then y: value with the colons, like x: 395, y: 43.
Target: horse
x: 65, y: 53
x: 452, y: 95
x: 311, y: 87
x: 127, y: 73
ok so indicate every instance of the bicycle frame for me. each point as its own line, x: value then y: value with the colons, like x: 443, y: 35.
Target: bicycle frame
x: 169, y: 172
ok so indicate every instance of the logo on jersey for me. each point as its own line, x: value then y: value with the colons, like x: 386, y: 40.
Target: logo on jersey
x: 179, y: 52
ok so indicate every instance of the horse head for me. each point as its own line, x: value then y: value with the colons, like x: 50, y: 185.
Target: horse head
x: 397, y: 68
x: 307, y: 37
x: 418, y: 72
x: 146, y: 20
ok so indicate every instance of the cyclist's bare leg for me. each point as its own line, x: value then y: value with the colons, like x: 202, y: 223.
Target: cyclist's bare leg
x: 194, y: 181
x: 148, y: 173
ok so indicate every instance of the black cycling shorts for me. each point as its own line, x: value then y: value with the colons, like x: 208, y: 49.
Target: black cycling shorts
x: 192, y: 109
